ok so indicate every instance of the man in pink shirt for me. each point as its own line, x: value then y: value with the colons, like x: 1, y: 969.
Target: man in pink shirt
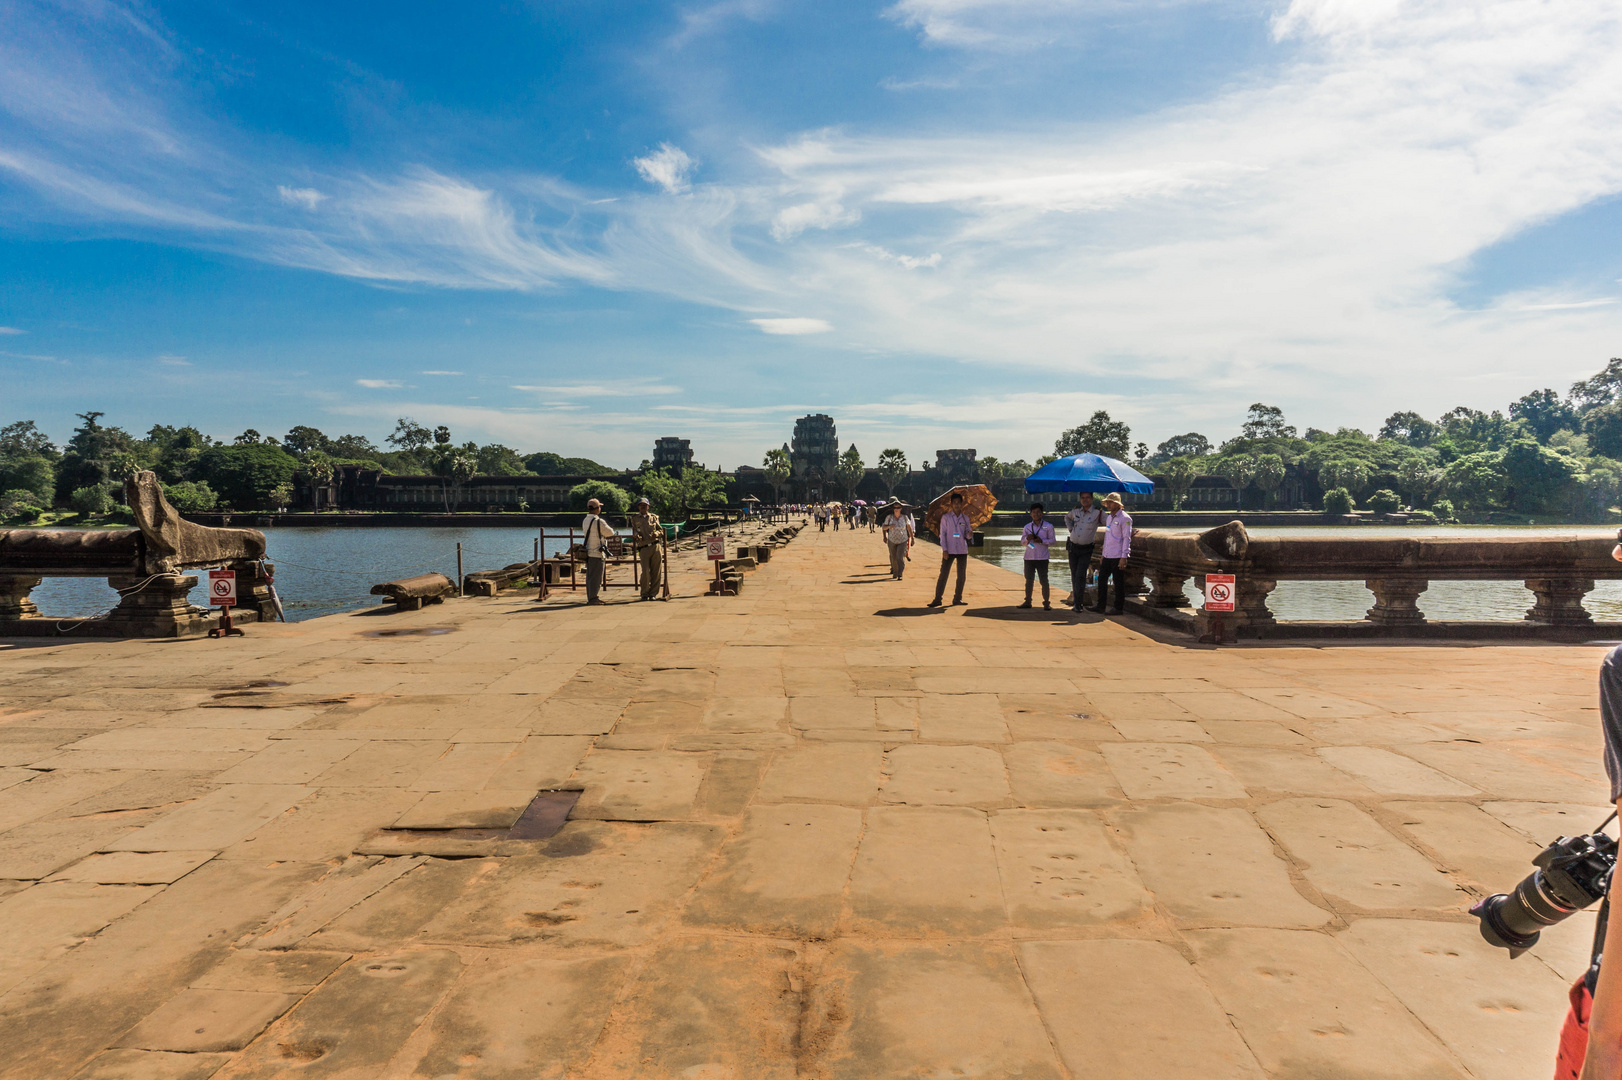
x: 1117, y: 549
x: 955, y: 533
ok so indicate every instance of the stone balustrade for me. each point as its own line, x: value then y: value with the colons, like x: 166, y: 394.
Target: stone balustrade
x: 1397, y: 570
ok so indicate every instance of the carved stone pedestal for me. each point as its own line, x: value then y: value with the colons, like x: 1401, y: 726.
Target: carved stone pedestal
x: 159, y: 608
x: 1250, y: 614
x: 14, y: 602
x: 1559, y: 601
x: 253, y: 591
x: 1396, y: 601
x: 1167, y: 589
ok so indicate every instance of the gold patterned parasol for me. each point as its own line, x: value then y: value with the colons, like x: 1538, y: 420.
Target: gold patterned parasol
x: 978, y: 503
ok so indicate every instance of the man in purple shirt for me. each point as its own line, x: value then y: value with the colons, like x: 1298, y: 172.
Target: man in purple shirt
x: 955, y: 532
x: 1117, y: 549
x: 1037, y: 536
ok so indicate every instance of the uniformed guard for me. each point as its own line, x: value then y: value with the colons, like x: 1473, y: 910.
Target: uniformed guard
x: 649, y: 538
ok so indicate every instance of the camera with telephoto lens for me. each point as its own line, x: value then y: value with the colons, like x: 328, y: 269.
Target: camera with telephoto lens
x: 1571, y: 874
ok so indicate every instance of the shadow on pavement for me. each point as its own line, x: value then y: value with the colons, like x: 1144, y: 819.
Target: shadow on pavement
x: 909, y: 612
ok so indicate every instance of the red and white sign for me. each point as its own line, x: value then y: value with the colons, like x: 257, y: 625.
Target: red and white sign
x: 715, y: 547
x: 222, y: 588
x: 1219, y: 591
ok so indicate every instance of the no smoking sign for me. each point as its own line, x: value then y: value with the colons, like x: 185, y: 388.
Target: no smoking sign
x: 1219, y: 592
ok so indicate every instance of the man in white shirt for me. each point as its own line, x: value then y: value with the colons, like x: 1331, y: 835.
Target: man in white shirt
x: 1083, y: 523
x: 597, y: 531
x: 955, y: 533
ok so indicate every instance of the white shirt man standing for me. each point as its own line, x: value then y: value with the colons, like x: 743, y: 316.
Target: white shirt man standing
x: 955, y: 533
x: 1082, y: 523
x: 1117, y: 550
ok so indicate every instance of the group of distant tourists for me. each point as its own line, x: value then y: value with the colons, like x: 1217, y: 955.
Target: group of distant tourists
x: 852, y: 514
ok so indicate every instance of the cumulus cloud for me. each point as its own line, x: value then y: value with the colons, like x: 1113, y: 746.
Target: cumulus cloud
x: 309, y: 198
x: 379, y: 384
x: 668, y: 167
x: 793, y: 326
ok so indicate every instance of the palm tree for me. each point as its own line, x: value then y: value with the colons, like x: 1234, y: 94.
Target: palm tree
x: 1269, y: 476
x: 778, y: 467
x: 1179, y: 474
x: 892, y: 469
x: 851, y: 469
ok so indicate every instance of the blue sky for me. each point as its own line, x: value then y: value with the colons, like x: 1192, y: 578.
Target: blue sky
x: 578, y: 226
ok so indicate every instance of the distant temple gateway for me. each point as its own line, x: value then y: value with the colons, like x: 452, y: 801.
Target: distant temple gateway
x: 814, y: 452
x: 672, y: 453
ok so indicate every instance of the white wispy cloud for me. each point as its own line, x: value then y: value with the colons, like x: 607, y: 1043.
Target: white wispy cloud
x: 309, y: 198
x: 616, y: 388
x: 171, y: 360
x: 379, y: 384
x: 441, y: 373
x: 793, y: 325
x: 668, y: 167
x: 9, y: 330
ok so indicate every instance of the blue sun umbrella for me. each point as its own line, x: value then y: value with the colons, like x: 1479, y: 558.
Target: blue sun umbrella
x: 1088, y: 472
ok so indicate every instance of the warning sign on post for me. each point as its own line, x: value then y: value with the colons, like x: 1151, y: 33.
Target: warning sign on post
x: 715, y: 547
x: 1219, y: 592
x: 222, y: 588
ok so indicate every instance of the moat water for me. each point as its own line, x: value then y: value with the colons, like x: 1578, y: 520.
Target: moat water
x: 322, y: 571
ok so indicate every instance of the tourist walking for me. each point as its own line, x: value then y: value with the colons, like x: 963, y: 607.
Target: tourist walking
x: 1037, y: 535
x: 1117, y: 549
x: 955, y: 532
x: 833, y: 512
x: 821, y: 514
x: 897, y: 537
x: 597, y: 532
x: 1082, y: 524
x: 648, y: 536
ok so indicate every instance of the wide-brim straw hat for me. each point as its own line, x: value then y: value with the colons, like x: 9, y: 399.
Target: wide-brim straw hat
x: 1113, y: 499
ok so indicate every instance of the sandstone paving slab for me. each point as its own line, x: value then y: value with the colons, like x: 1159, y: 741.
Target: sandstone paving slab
x: 142, y: 739
x: 707, y: 1006
x: 165, y: 760
x: 1060, y: 869
x: 326, y: 824
x: 1310, y: 704
x: 41, y: 923
x: 289, y: 761
x: 995, y: 680
x: 729, y: 784
x: 1059, y: 774
x: 634, y: 785
x: 1295, y: 772
x: 134, y: 867
x: 355, y: 1022
x: 151, y: 1065
x: 82, y: 1001
x: 347, y: 885
x: 1505, y: 774
x: 216, y: 820
x: 1454, y: 982
x: 1218, y: 704
x: 1210, y: 866
x: 832, y: 711
x: 397, y: 914
x: 760, y: 713
x: 661, y: 716
x: 1468, y: 841
x: 961, y: 718
x: 1348, y: 856
x: 385, y: 764
x: 520, y: 1018
x: 785, y: 873
x: 1375, y: 731
x: 540, y: 761
x: 729, y: 740
x: 1092, y: 993
x: 1030, y: 726
x: 922, y: 871
x: 1169, y: 771
x: 490, y: 808
x: 464, y: 767
x: 1253, y: 733
x: 621, y: 887
x: 1306, y: 1008
x: 1542, y: 822
x: 1392, y: 774
x: 141, y: 791
x: 1113, y: 704
x: 208, y: 1021
x: 576, y: 717
x: 39, y: 848
x: 10, y: 777
x: 1181, y: 731
x: 295, y: 972
x: 945, y: 776
x: 958, y: 1009
x: 839, y: 773
x: 52, y: 792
